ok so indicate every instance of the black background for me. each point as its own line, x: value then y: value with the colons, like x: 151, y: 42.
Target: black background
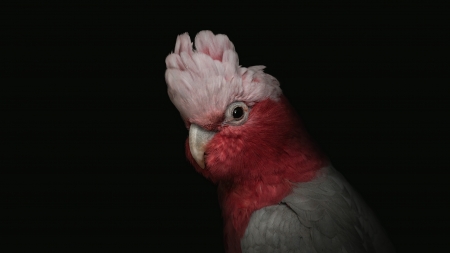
x: 93, y: 150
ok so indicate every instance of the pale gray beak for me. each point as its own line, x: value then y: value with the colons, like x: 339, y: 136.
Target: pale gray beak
x: 198, y: 138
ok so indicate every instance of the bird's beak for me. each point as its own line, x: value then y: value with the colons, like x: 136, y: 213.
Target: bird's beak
x: 198, y: 138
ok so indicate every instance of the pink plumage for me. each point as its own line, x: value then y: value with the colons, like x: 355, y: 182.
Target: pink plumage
x: 277, y: 191
x: 206, y: 80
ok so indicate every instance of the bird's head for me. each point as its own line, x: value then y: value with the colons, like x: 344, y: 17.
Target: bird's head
x: 240, y: 125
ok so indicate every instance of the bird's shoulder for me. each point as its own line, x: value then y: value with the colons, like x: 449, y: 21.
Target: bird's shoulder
x: 322, y: 215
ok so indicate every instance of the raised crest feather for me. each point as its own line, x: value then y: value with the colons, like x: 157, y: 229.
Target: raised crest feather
x: 204, y: 81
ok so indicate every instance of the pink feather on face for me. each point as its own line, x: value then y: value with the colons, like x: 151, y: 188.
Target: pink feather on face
x: 267, y: 164
x: 203, y: 82
x: 256, y: 164
x: 252, y: 162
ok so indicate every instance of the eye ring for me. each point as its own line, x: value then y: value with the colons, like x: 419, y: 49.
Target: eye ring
x: 236, y: 113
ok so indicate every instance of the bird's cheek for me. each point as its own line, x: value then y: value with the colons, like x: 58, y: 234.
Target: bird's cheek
x: 222, y: 154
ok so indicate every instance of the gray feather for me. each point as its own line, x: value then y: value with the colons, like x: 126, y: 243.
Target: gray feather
x: 323, y: 215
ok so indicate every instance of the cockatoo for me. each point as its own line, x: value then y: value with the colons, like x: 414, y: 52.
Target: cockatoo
x: 277, y: 191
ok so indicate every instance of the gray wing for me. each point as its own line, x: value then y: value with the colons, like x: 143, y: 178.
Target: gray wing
x: 323, y: 215
x: 274, y: 229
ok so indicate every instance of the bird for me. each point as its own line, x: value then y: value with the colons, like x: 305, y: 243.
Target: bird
x: 277, y: 191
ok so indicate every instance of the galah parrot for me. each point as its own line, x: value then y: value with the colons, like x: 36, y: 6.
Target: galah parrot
x: 277, y: 191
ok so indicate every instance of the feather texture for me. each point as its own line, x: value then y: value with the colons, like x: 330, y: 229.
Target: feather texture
x: 277, y: 190
x: 203, y: 82
x: 255, y: 163
x: 322, y: 215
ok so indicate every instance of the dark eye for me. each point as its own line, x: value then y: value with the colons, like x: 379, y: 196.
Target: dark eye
x: 238, y: 112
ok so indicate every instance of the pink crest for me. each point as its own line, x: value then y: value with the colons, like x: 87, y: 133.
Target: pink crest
x: 205, y: 81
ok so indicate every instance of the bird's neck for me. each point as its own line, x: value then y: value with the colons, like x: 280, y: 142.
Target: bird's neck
x: 239, y: 198
x: 238, y: 202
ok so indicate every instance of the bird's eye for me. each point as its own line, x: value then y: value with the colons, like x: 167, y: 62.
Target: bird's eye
x: 236, y: 114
